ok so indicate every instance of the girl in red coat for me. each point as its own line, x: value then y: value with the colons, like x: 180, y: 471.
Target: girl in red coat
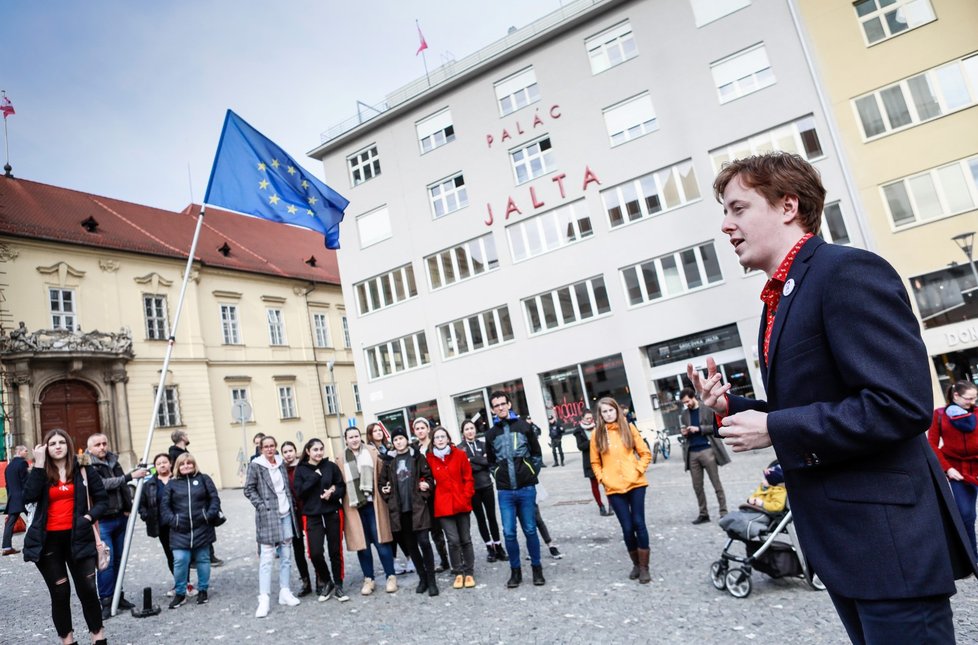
x: 953, y: 437
x: 454, y: 488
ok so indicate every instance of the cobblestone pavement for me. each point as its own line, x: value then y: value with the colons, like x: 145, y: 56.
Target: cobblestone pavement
x: 587, y: 598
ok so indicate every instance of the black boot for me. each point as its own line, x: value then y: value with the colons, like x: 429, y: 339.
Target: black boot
x: 501, y: 553
x: 432, y: 586
x: 423, y: 582
x: 538, y: 575
x: 306, y: 588
x: 515, y: 578
x: 490, y: 553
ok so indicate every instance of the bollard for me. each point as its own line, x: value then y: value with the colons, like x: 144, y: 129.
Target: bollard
x: 148, y: 609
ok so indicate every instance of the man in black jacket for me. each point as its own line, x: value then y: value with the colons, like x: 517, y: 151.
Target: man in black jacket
x: 112, y: 526
x: 515, y: 459
x: 16, y: 475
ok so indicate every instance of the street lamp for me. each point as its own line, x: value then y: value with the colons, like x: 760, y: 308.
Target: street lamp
x: 966, y: 242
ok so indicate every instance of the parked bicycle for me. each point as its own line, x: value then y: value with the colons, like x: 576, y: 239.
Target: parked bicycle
x: 663, y: 445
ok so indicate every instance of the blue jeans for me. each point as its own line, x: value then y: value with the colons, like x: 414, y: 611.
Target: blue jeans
x: 368, y: 520
x: 521, y: 503
x: 266, y: 558
x: 965, y: 496
x: 113, y: 532
x: 629, y: 508
x: 181, y: 568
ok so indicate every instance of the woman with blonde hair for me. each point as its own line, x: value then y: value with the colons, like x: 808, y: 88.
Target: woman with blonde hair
x: 619, y: 458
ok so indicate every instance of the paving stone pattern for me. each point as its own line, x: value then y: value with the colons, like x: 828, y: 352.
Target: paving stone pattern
x: 587, y: 599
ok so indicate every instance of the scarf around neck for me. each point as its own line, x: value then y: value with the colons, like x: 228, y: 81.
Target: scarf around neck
x: 441, y: 453
x: 358, y: 471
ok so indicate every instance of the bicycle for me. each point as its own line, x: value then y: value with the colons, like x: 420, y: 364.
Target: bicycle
x: 663, y: 446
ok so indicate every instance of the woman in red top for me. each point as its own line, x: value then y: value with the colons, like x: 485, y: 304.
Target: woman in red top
x: 953, y: 437
x: 60, y: 538
x: 454, y: 488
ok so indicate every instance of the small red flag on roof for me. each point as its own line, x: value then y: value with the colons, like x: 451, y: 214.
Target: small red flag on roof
x: 424, y: 43
x: 8, y: 108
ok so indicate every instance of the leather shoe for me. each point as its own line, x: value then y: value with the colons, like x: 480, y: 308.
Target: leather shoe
x: 11, y: 551
x: 702, y: 519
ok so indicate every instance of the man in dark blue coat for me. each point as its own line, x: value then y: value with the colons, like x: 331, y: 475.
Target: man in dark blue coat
x: 848, y: 402
x: 16, y: 475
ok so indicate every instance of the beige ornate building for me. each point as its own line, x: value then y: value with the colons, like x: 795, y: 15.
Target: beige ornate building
x: 95, y: 283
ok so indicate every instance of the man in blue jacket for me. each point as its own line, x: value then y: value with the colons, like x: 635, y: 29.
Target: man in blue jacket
x: 848, y: 401
x: 16, y: 475
x: 514, y: 457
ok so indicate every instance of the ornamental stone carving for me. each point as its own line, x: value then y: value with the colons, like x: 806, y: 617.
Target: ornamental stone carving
x: 8, y: 253
x: 109, y: 266
x: 19, y: 340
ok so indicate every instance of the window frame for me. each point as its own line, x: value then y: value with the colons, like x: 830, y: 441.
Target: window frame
x: 62, y: 318
x: 276, y: 328
x: 373, y: 288
x: 321, y: 335
x: 531, y: 91
x: 230, y: 324
x: 970, y: 175
x: 879, y: 14
x: 345, y: 323
x: 661, y: 278
x: 158, y: 316
x: 490, y: 261
x: 459, y: 192
x: 740, y: 4
x: 644, y: 128
x: 447, y: 333
x: 766, y: 140
x: 757, y: 76
x: 615, y: 37
x: 329, y: 396
x: 354, y: 164
x: 375, y: 239
x: 637, y: 185
x: 548, y: 165
x: 287, y: 406
x: 558, y: 222
x: 447, y: 132
x: 397, y: 361
x: 169, y: 406
x: 247, y: 397
x: 357, y: 404
x: 553, y: 295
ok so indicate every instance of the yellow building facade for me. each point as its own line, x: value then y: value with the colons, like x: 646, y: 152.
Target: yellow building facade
x: 901, y: 81
x: 262, y: 321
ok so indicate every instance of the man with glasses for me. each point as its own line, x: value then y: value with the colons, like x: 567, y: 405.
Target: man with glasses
x: 514, y: 457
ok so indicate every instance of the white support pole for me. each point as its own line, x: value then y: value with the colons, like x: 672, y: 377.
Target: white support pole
x: 131, y: 524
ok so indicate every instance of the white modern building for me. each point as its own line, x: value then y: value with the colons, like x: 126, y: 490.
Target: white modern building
x: 540, y: 217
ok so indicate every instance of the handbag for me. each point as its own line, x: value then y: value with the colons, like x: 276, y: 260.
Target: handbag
x: 101, y: 548
x: 220, y: 519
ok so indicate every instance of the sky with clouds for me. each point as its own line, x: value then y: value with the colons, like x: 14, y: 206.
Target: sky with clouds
x: 120, y: 98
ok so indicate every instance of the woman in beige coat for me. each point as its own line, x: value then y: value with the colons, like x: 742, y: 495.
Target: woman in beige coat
x: 366, y: 518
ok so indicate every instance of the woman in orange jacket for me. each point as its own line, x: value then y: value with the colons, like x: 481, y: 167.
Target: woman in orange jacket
x: 619, y: 458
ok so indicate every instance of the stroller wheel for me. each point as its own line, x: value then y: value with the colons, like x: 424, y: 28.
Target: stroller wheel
x: 816, y: 583
x: 718, y: 574
x: 738, y: 583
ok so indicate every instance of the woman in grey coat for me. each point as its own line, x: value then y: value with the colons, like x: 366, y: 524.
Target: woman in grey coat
x: 267, y: 488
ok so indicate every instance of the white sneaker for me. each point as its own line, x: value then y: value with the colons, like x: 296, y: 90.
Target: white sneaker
x: 391, y: 584
x: 368, y: 587
x: 172, y: 592
x: 262, y: 610
x: 285, y: 597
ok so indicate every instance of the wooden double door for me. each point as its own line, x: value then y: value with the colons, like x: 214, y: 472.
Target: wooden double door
x: 73, y: 406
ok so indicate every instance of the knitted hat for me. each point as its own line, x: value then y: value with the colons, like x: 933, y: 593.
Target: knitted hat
x: 774, y: 475
x: 398, y: 432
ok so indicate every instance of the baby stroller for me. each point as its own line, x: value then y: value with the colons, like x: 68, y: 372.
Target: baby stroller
x: 771, y: 548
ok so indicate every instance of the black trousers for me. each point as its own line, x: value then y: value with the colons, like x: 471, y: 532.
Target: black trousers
x: 557, y: 448
x: 916, y: 621
x: 484, y: 508
x: 417, y: 546
x: 320, y: 529
x: 165, y: 543
x: 55, y: 564
x: 8, y: 530
x: 438, y: 536
x: 299, y: 551
x: 542, y: 528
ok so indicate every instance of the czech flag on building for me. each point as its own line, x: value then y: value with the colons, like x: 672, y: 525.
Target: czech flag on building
x: 6, y: 106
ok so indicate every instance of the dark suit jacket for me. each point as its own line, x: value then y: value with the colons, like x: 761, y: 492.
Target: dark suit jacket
x: 16, y: 476
x: 849, y: 402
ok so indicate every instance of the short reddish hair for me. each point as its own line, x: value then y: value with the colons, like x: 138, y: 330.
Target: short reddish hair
x: 775, y: 175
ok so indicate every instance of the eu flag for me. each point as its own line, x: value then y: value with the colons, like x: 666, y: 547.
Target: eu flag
x: 253, y: 175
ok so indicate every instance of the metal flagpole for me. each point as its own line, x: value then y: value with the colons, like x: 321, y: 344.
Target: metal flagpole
x: 131, y: 524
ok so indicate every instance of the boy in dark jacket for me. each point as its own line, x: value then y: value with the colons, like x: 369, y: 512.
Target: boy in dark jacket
x: 515, y: 459
x: 16, y: 476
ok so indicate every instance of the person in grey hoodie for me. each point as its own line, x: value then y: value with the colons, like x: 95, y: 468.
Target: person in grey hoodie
x: 267, y: 488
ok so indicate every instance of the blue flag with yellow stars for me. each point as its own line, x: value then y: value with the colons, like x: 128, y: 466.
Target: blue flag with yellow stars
x: 253, y: 175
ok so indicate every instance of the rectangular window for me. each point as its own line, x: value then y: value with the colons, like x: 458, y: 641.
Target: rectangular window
x: 630, y: 119
x: 168, y: 414
x: 154, y: 307
x: 241, y: 394
x: 63, y: 310
x: 706, y: 11
x: 651, y: 194
x: 798, y: 137
x: 374, y: 227
x: 363, y: 165
x: 286, y: 402
x: 882, y: 19
x: 671, y: 275
x: 532, y: 160
x: 566, y: 305
x: 346, y: 333
x: 385, y: 290
x: 229, y: 325
x: 448, y: 195
x: 463, y: 262
x: 549, y: 231
x: 833, y: 225
x: 920, y: 98
x: 742, y: 73
x: 276, y: 327
x: 611, y: 47
x: 933, y: 194
x: 320, y: 325
x: 435, y: 131
x: 517, y: 91
x: 330, y: 392
x: 356, y: 398
x: 398, y: 355
x: 476, y: 332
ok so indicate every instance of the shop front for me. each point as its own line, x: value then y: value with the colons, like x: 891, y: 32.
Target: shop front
x: 474, y: 404
x: 948, y: 304
x: 569, y: 391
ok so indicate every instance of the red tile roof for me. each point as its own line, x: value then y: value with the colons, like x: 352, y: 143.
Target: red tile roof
x: 39, y: 211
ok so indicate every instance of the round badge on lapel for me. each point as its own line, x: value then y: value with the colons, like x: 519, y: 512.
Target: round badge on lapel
x: 789, y: 286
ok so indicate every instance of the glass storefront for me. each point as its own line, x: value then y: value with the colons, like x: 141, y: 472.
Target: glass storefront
x: 403, y: 417
x: 474, y: 404
x: 946, y: 296
x: 689, y: 347
x: 569, y: 391
x: 956, y: 366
